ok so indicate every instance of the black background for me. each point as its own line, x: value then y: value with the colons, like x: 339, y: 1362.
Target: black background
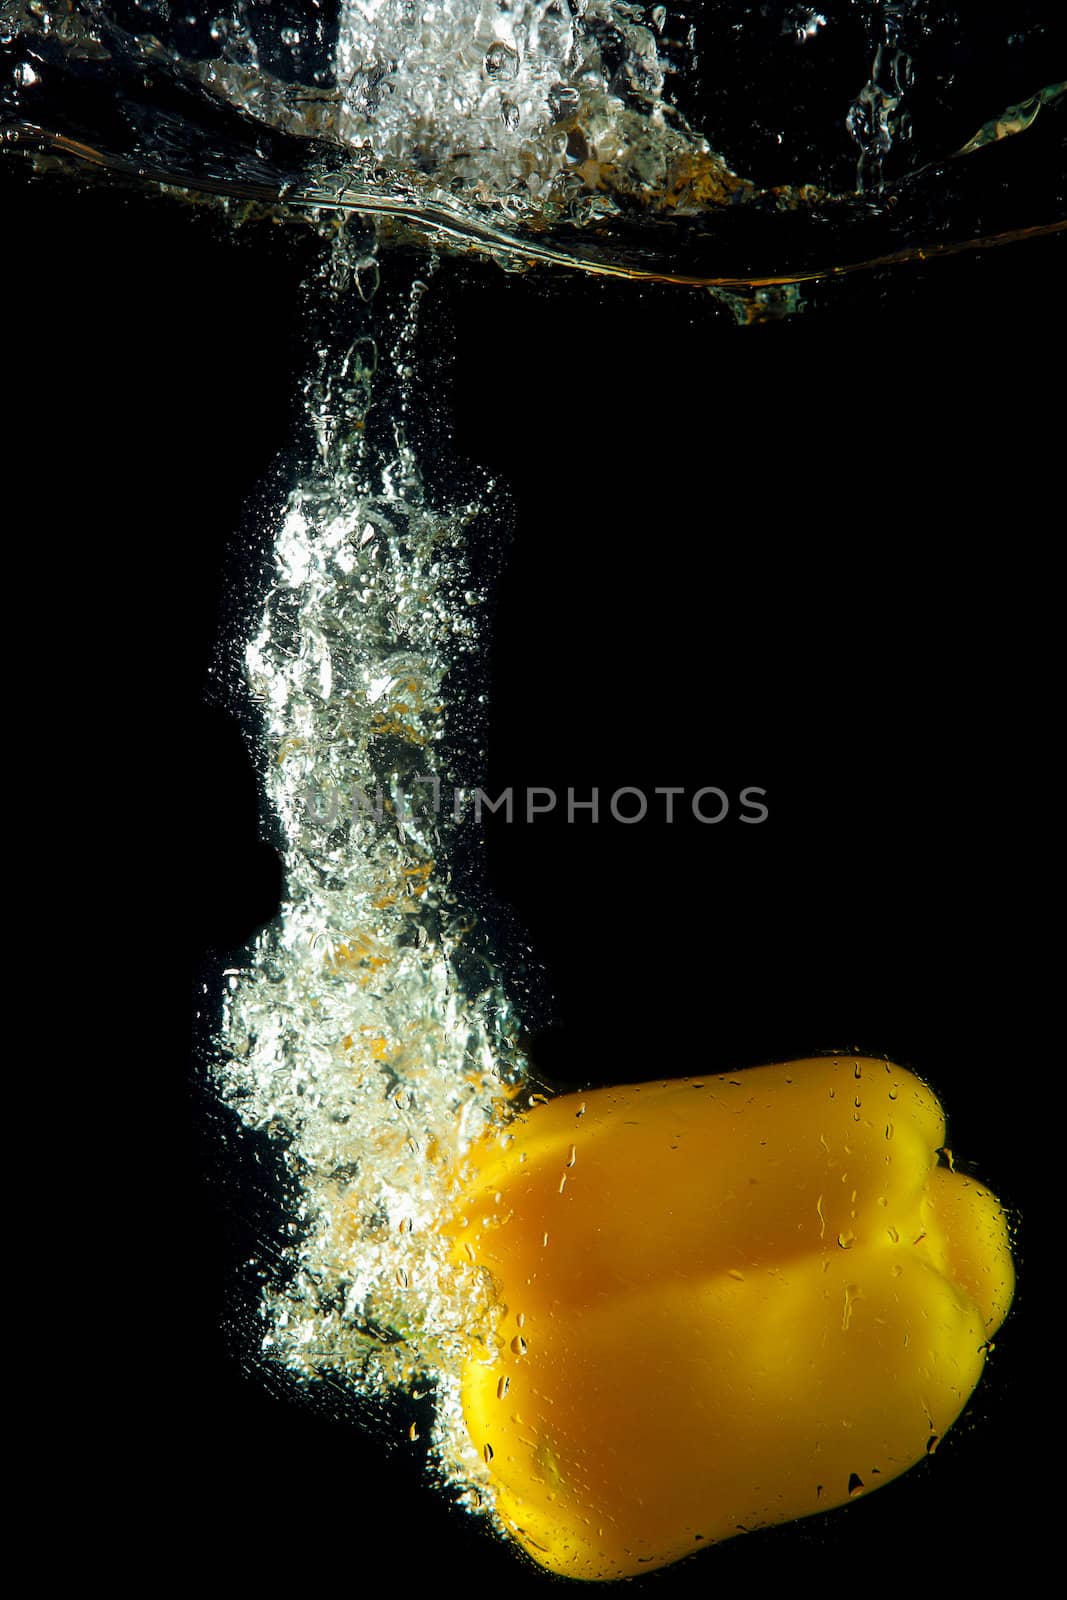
x: 809, y: 557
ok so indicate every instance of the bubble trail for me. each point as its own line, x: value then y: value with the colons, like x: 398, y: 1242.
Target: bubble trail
x: 368, y: 1032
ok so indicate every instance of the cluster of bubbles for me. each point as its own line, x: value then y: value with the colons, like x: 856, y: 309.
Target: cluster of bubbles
x: 367, y: 1031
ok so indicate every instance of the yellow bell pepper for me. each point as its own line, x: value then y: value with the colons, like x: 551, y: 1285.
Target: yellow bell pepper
x: 725, y: 1303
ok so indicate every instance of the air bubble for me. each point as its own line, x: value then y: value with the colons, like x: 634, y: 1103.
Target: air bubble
x: 367, y: 278
x: 502, y: 61
x: 563, y: 100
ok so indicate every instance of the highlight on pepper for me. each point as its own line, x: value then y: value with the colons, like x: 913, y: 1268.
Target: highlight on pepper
x: 725, y: 1303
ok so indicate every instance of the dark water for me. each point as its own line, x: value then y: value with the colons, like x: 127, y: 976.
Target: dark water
x: 810, y: 556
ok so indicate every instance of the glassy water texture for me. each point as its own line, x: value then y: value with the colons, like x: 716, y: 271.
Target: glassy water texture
x: 369, y: 1031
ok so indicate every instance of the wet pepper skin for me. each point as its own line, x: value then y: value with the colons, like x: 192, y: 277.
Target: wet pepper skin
x: 729, y: 1302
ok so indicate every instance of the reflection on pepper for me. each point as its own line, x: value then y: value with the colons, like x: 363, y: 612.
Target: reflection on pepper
x: 727, y: 1303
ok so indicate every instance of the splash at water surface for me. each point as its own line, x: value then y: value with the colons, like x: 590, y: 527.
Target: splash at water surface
x: 578, y: 134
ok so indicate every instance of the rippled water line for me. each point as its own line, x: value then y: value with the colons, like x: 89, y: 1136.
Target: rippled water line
x: 481, y: 237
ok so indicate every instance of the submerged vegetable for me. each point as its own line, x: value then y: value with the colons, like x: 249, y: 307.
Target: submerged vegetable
x: 727, y: 1303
